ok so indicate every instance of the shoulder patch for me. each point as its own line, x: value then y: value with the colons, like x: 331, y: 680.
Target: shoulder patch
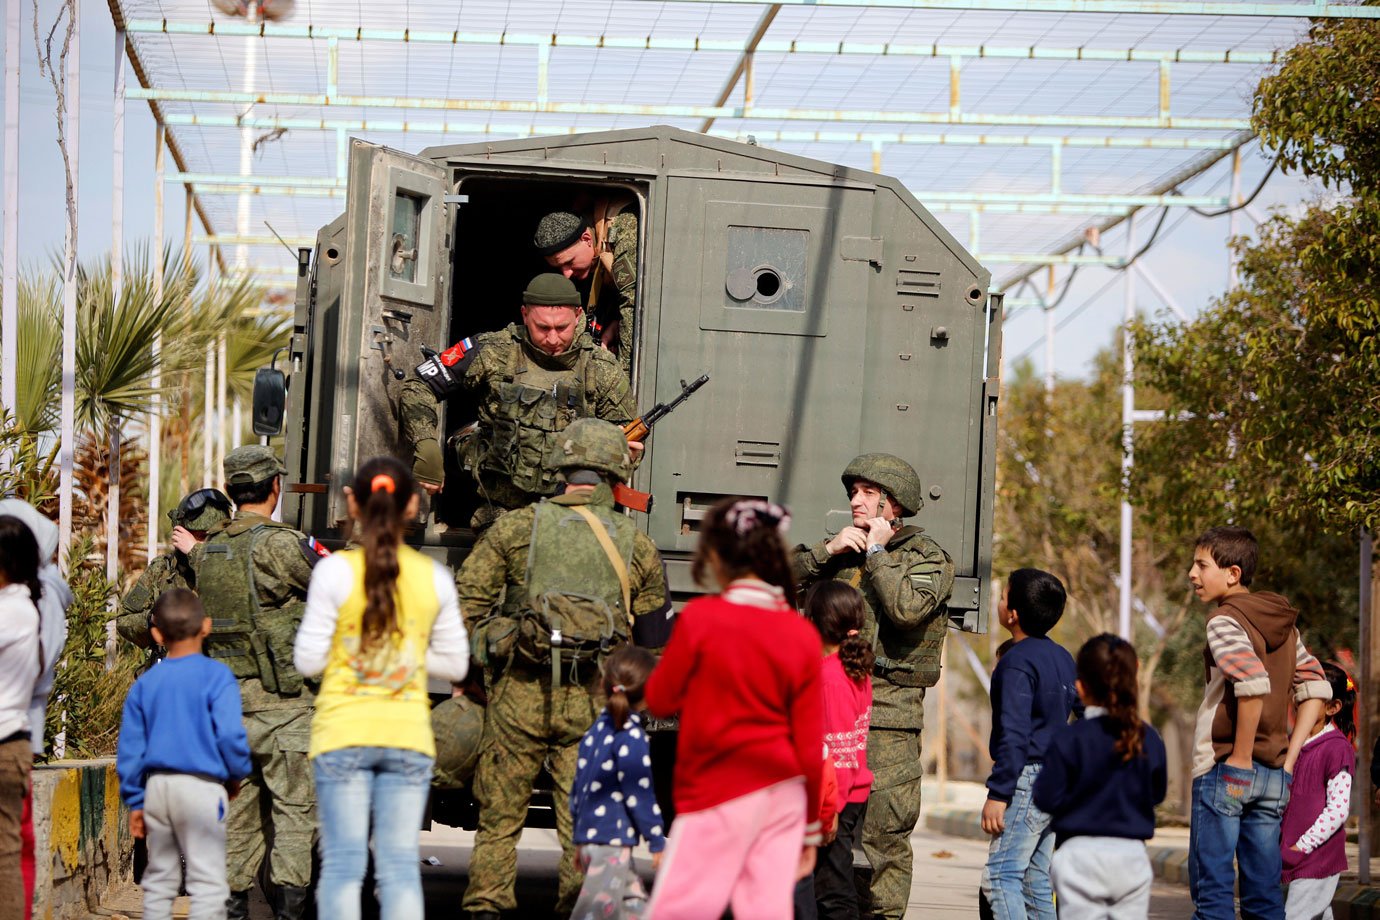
x: 313, y: 550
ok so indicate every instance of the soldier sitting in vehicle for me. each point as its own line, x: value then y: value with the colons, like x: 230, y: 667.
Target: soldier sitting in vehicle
x: 572, y: 579
x: 532, y: 380
x: 905, y: 579
x: 197, y: 513
x: 599, y: 248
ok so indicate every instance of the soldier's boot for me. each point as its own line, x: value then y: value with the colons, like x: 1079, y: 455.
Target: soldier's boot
x: 292, y: 902
x: 237, y: 906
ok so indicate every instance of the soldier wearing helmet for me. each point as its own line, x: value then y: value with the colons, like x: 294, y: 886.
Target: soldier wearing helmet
x: 531, y: 380
x: 548, y: 591
x: 197, y: 514
x: 905, y: 579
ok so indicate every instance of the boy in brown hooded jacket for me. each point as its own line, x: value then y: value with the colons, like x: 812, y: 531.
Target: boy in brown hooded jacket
x: 1243, y: 751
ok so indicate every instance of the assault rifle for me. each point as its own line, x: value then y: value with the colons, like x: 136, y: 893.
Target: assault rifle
x: 639, y: 429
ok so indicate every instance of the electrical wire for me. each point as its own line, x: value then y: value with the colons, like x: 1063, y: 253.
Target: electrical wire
x: 1274, y: 164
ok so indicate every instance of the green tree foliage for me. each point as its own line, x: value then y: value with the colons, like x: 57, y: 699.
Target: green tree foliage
x: 1282, y: 376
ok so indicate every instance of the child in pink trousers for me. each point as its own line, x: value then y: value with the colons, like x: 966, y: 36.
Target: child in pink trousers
x: 742, y: 670
x: 1313, y: 832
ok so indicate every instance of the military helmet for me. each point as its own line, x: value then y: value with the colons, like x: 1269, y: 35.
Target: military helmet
x: 897, y: 477
x: 591, y: 444
x: 201, y: 510
x: 457, y: 724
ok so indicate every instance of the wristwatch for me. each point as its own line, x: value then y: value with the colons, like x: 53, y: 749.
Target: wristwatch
x: 875, y: 548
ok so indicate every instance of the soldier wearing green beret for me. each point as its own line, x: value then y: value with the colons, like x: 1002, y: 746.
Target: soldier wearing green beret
x: 531, y: 379
x: 252, y: 576
x: 548, y: 592
x: 197, y: 514
x: 597, y: 249
x: 905, y: 579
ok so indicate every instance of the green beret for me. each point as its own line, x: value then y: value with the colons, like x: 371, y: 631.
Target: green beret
x: 558, y: 231
x: 250, y: 464
x: 551, y: 290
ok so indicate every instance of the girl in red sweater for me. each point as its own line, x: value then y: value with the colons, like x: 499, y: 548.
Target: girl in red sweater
x: 742, y: 670
x: 836, y: 609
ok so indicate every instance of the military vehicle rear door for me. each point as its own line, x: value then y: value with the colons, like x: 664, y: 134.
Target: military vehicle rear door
x: 394, y: 300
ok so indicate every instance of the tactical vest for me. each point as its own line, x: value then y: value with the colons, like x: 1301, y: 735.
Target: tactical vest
x: 527, y: 409
x: 252, y: 641
x: 905, y: 657
x: 573, y: 608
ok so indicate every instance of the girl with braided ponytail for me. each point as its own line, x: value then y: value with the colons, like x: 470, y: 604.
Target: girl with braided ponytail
x: 380, y: 619
x: 836, y: 609
x: 1102, y: 778
x: 742, y: 670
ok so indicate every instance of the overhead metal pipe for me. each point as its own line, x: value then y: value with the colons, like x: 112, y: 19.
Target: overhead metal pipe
x: 1319, y: 10
x: 9, y: 273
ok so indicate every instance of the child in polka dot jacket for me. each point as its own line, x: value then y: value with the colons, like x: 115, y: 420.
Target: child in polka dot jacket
x: 612, y: 800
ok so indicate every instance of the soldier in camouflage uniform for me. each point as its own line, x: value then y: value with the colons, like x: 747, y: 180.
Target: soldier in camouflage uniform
x: 532, y: 379
x: 549, y: 557
x: 599, y: 249
x: 252, y: 575
x: 197, y: 513
x: 905, y: 578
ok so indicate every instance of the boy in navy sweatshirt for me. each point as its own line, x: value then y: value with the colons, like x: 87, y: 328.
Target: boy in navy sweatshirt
x: 181, y: 755
x: 1033, y: 692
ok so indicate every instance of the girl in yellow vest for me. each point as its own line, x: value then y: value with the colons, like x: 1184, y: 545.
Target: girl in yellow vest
x: 379, y: 620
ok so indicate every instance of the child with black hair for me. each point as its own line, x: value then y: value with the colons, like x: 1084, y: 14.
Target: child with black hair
x: 612, y: 802
x: 20, y: 665
x: 836, y: 609
x: 181, y: 755
x: 742, y: 670
x: 1032, y: 696
x: 1102, y: 778
x: 1313, y: 840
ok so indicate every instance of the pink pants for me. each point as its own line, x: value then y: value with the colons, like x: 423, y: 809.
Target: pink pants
x: 742, y: 853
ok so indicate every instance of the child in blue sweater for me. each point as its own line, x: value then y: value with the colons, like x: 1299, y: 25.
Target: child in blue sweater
x: 612, y: 800
x: 1032, y: 696
x: 181, y: 755
x: 1102, y: 779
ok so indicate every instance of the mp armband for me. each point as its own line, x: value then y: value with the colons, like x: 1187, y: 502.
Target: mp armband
x: 442, y: 372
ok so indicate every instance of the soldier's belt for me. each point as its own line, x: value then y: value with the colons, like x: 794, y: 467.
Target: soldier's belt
x: 883, y: 665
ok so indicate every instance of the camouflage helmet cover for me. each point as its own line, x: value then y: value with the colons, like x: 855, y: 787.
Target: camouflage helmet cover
x: 591, y: 444
x: 458, y: 724
x: 897, y: 477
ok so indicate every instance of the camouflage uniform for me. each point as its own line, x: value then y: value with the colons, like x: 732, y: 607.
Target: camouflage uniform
x: 275, y: 812
x: 528, y: 721
x: 511, y: 475
x: 622, y: 241
x: 904, y: 591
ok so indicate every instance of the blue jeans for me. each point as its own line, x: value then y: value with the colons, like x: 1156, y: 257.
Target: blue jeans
x: 353, y: 784
x: 1237, y: 813
x: 1016, y: 879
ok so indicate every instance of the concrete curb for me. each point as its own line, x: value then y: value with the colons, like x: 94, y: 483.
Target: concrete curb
x: 81, y: 836
x: 1169, y: 861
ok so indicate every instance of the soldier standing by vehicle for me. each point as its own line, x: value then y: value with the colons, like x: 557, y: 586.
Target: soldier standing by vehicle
x: 580, y: 581
x: 905, y: 578
x: 197, y: 513
x: 599, y: 248
x: 252, y: 575
x: 532, y: 379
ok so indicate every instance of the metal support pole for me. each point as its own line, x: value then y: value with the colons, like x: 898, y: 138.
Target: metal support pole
x: 9, y: 275
x: 156, y: 407
x: 1366, y: 706
x: 955, y: 104
x: 221, y: 356
x: 68, y: 412
x: 1128, y: 408
x: 1056, y: 169
x: 1049, y: 335
x: 1232, y: 279
x: 208, y: 477
x: 543, y: 73
x: 250, y: 73
x: 876, y: 156
x: 1169, y: 301
x: 117, y: 163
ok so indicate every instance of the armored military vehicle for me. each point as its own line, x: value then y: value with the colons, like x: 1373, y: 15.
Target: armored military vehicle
x: 832, y: 312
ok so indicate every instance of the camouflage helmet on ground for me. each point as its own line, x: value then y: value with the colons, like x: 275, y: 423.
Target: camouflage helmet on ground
x: 896, y: 477
x: 591, y: 444
x: 201, y: 510
x: 458, y: 724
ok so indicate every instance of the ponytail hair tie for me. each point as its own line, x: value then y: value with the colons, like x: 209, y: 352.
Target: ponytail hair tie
x: 382, y: 481
x: 619, y: 688
x: 746, y: 515
x: 852, y: 632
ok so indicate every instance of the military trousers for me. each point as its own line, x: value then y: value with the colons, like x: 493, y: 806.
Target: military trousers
x: 528, y: 724
x: 893, y: 808
x: 275, y: 812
